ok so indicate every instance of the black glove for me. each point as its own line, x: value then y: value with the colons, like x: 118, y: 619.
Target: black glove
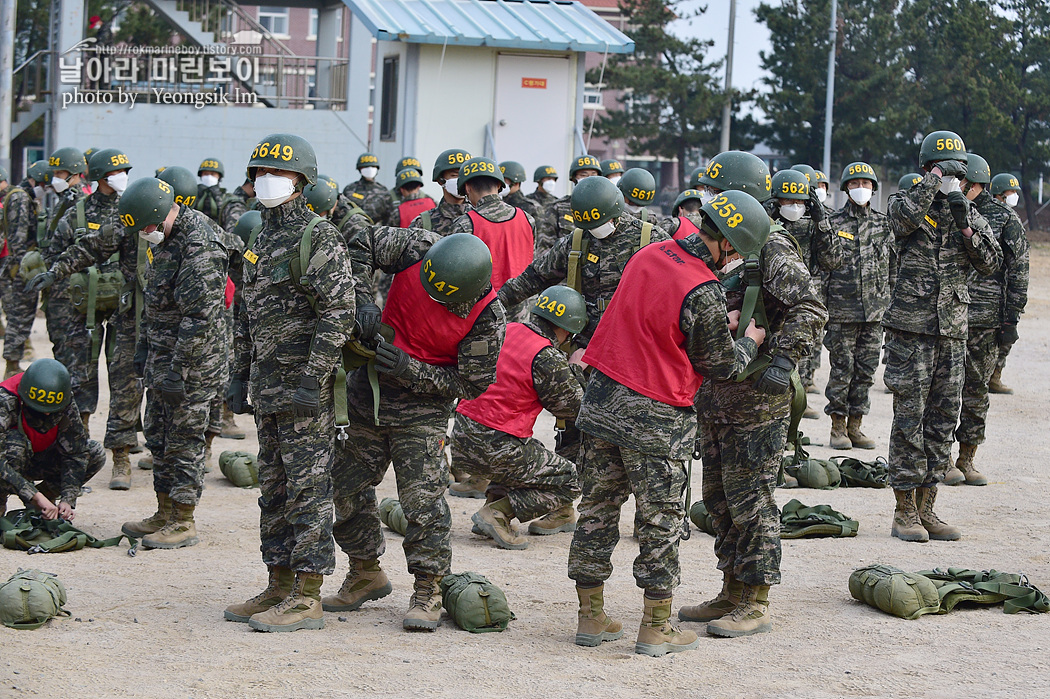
x: 368, y: 317
x: 391, y: 360
x: 815, y: 208
x: 172, y: 388
x: 775, y: 378
x: 40, y: 282
x: 1007, y: 334
x: 307, y: 399
x: 960, y: 209
x: 140, y: 359
x: 237, y: 396
x: 952, y: 168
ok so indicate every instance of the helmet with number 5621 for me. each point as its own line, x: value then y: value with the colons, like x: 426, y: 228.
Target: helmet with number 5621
x: 45, y: 386
x: 456, y: 269
x: 740, y: 219
x: 284, y: 151
x: 790, y: 184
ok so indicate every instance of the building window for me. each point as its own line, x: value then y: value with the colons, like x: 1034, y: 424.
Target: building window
x: 274, y: 20
x: 592, y: 97
x: 312, y: 34
x: 388, y: 117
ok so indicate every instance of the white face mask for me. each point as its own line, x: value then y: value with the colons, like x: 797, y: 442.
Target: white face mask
x: 273, y: 190
x: 155, y: 237
x: 39, y: 193
x: 59, y: 185
x: 209, y: 180
x: 730, y: 266
x: 860, y: 195
x: 369, y: 173
x: 1012, y: 198
x: 822, y: 194
x: 118, y: 181
x: 706, y: 196
x: 614, y: 178
x: 792, y: 212
x: 452, y: 187
x: 633, y: 209
x: 949, y: 185
x: 604, y: 230
x: 549, y: 186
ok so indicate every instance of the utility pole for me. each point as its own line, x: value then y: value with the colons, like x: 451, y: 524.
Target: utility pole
x: 727, y: 109
x: 830, y: 102
x: 8, y: 10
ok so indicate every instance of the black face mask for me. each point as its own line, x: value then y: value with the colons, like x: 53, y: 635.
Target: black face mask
x: 41, y: 422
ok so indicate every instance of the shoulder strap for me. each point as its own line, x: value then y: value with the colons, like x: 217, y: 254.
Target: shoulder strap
x: 573, y: 279
x: 644, y: 215
x: 354, y: 209
x: 81, y: 216
x: 647, y: 234
x: 427, y: 224
x: 306, y: 246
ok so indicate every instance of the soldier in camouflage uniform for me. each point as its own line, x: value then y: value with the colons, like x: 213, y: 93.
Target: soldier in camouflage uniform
x: 557, y: 221
x: 546, y: 179
x: 441, y: 350
x: 639, y: 423
x: 290, y: 339
x: 1005, y: 188
x: 514, y: 176
x: 684, y: 214
x: 858, y: 293
x: 996, y: 304
x: 235, y: 203
x: 181, y: 352
x: 371, y: 196
x: 210, y: 195
x: 68, y: 173
x: 940, y: 238
x: 412, y: 201
x: 452, y: 204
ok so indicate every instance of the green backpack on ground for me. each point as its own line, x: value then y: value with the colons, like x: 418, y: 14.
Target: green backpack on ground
x: 30, y: 598
x: 474, y: 603
x: 820, y: 474
x: 240, y: 468
x: 27, y: 530
x: 863, y: 474
x: 391, y: 514
x: 699, y: 515
x: 907, y: 595
x: 798, y: 521
x: 955, y: 585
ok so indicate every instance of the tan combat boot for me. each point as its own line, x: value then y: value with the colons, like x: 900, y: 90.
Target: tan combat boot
x: 424, y: 609
x: 839, y: 439
x: 725, y: 602
x: 562, y: 519
x: 301, y: 609
x: 965, y: 466
x: 86, y: 418
x: 594, y: 626
x: 365, y: 581
x: 906, y: 524
x: 996, y: 385
x: 121, y: 478
x: 209, y: 437
x: 146, y: 463
x: 657, y: 635
x: 858, y: 439
x: 178, y: 532
x: 494, y: 520
x: 12, y: 367
x: 811, y: 413
x: 279, y: 587
x: 230, y: 430
x: 954, y: 474
x: 938, y: 530
x: 751, y: 616
x: 153, y: 523
x: 473, y: 487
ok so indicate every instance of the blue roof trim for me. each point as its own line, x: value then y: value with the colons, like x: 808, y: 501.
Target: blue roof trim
x: 552, y: 25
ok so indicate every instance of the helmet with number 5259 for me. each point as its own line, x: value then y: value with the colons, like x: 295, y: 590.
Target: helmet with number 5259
x: 284, y: 151
x: 562, y: 306
x: 740, y: 219
x: 45, y: 386
x: 456, y: 269
x: 594, y: 201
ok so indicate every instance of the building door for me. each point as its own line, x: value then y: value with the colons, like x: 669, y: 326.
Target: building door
x: 535, y: 110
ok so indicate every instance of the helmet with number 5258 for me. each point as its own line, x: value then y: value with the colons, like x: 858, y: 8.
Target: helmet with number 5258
x: 45, y: 386
x: 146, y: 202
x: 456, y: 269
x: 562, y: 306
x: 594, y: 201
x: 284, y: 151
x: 740, y: 219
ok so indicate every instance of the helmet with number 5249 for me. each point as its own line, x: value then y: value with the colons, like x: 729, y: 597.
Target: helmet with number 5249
x: 146, y: 202
x: 45, y: 386
x: 859, y: 171
x: 284, y: 151
x: 456, y: 269
x: 513, y: 171
x: 594, y: 201
x: 790, y: 184
x: 479, y: 168
x: 739, y: 171
x: 740, y: 219
x: 941, y: 145
x: 562, y: 306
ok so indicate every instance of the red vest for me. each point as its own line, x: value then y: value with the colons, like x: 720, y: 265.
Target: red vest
x: 40, y: 441
x: 685, y: 228
x: 424, y: 328
x: 230, y: 289
x: 510, y: 243
x: 410, y: 208
x: 638, y: 342
x: 510, y: 404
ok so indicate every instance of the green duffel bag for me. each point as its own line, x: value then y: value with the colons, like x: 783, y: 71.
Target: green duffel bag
x: 907, y: 595
x: 240, y: 468
x: 104, y: 288
x: 815, y: 473
x: 30, y: 598
x: 800, y: 522
x: 391, y: 514
x: 863, y: 474
x: 699, y: 516
x: 474, y: 603
x: 1014, y: 590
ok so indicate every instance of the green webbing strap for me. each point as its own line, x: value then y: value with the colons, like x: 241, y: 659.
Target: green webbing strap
x: 643, y: 215
x: 41, y: 228
x: 754, y: 307
x: 29, y: 531
x: 81, y: 217
x: 798, y: 407
x: 425, y: 219
x: 956, y: 585
x: 140, y: 285
x: 94, y: 328
x: 355, y: 209
x: 573, y: 278
x: 647, y: 235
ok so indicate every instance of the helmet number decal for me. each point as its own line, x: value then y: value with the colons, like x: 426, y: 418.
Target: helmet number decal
x: 42, y: 396
x: 859, y: 168
x: 724, y: 208
x: 643, y: 194
x: 209, y: 165
x: 794, y: 188
x: 479, y: 166
x: 713, y: 170
x: 119, y: 159
x: 458, y: 158
x: 438, y: 285
x: 554, y: 307
x: 128, y: 220
x: 949, y: 144
x: 276, y: 150
x: 592, y: 215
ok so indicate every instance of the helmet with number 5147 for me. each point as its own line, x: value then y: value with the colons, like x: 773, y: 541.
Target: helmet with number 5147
x: 740, y: 219
x: 456, y: 269
x: 284, y: 151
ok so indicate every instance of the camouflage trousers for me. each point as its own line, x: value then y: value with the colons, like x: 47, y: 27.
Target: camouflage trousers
x: 609, y: 474
x: 807, y: 368
x: 20, y: 308
x: 925, y: 374
x: 74, y: 348
x: 48, y: 468
x: 1004, y: 351
x: 219, y: 400
x: 422, y: 478
x: 295, y: 480
x: 741, y: 463
x: 535, y: 479
x: 125, y: 390
x: 175, y: 436
x: 982, y: 353
x: 853, y: 350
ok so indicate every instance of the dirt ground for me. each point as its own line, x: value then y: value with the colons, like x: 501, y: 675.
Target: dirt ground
x: 152, y: 626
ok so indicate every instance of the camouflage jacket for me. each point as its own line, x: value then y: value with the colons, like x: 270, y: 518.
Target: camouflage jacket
x: 280, y: 337
x: 104, y: 236
x: 795, y: 318
x: 820, y: 247
x: 426, y: 393
x: 541, y: 199
x: 555, y: 223
x: 71, y: 444
x: 442, y: 217
x: 494, y: 209
x: 558, y: 384
x: 185, y: 296
x: 859, y: 290
x: 930, y: 296
x: 600, y: 269
x: 19, y: 219
x: 522, y: 202
x: 1000, y: 297
x: 209, y: 201
x: 371, y: 196
x: 233, y: 206
x: 352, y: 225
x: 63, y: 202
x: 624, y: 417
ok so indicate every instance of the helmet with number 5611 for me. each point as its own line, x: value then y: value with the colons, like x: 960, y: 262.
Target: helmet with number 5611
x: 284, y: 151
x: 740, y: 219
x: 45, y: 386
x: 456, y: 269
x: 594, y: 201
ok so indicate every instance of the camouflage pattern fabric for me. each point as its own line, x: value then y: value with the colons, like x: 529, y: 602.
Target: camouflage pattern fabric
x: 541, y: 200
x: 233, y: 206
x: 982, y: 354
x: 555, y: 223
x: 20, y: 223
x: 174, y: 434
x: 491, y: 207
x: 443, y: 216
x: 1000, y: 297
x: 125, y: 389
x: 853, y: 349
x: 63, y: 202
x: 371, y: 196
x: 519, y: 200
x: 209, y: 201
x: 394, y: 217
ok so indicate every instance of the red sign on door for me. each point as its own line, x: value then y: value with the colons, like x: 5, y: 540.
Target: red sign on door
x: 537, y: 83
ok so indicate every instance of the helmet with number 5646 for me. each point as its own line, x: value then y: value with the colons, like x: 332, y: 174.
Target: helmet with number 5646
x: 456, y: 269
x: 740, y: 219
x: 562, y: 306
x: 45, y: 386
x: 284, y: 151
x: 146, y: 202
x: 594, y: 201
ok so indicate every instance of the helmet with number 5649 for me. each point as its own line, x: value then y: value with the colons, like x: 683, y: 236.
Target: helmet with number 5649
x: 45, y: 386
x: 740, y: 219
x: 562, y: 306
x: 456, y: 269
x: 451, y: 159
x: 284, y: 151
x: 594, y: 201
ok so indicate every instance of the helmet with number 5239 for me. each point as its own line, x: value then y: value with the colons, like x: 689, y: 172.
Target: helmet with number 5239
x: 478, y: 168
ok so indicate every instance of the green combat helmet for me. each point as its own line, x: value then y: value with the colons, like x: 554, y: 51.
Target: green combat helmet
x: 694, y: 177
x: 181, y: 180
x: 39, y: 172
x: 46, y: 386
x: 977, y: 170
x: 451, y: 159
x: 1004, y: 182
x: 821, y: 179
x: 513, y: 171
x: 284, y: 151
x: 562, y: 306
x: 687, y: 195
x: 638, y: 186
x: 738, y: 218
x: 326, y: 178
x: 457, y: 269
x: 543, y: 172
x: 106, y: 161
x: 476, y: 168
x: 859, y: 171
x: 409, y: 162
x: 909, y: 181
x: 69, y: 159
x: 611, y: 167
x: 407, y: 176
x: 211, y: 165
x: 941, y: 145
x: 321, y: 196
x: 595, y: 201
x: 584, y: 162
x: 809, y: 172
x: 367, y: 160
x: 790, y: 184
x: 739, y: 171
x: 145, y: 202
x: 248, y: 221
